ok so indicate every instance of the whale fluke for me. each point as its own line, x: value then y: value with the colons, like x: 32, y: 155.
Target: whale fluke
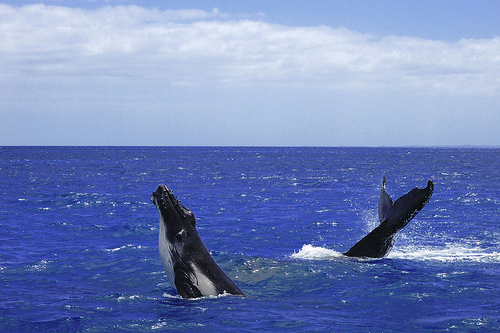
x: 393, y: 217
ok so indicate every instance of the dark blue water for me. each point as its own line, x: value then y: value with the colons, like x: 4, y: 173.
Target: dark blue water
x: 78, y: 241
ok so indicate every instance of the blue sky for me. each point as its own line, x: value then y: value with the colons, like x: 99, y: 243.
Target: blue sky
x: 274, y: 73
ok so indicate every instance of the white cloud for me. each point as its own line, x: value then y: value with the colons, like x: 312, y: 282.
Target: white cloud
x: 190, y: 46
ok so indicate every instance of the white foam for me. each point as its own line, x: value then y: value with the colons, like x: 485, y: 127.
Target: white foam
x: 310, y: 252
x: 447, y: 253
x: 124, y: 247
x: 177, y: 296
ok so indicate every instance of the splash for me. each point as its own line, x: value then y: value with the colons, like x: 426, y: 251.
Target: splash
x: 310, y: 252
x: 448, y: 253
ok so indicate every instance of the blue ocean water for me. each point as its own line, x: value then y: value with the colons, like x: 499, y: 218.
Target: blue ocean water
x: 78, y: 241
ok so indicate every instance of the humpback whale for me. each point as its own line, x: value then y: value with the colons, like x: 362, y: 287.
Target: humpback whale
x: 393, y: 216
x: 189, y: 266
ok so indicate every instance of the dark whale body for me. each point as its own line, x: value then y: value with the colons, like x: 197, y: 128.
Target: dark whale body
x: 393, y: 216
x: 187, y: 262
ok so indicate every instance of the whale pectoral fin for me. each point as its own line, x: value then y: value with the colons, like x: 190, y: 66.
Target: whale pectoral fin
x: 384, y: 205
x: 184, y: 285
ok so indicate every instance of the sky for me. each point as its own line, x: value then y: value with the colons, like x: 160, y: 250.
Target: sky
x: 250, y: 73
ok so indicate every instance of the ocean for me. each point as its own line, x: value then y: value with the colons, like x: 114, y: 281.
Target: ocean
x: 79, y: 239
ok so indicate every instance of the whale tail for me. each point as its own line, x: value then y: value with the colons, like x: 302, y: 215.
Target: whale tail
x: 393, y: 217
